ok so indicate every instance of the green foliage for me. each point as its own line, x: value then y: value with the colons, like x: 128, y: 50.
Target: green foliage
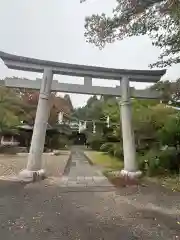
x: 156, y: 162
x: 148, y: 123
x: 157, y: 18
x: 114, y: 149
x: 18, y: 105
x: 169, y: 134
x: 106, y: 147
x: 21, y: 104
x: 118, y: 150
x: 149, y: 162
x: 170, y: 92
x: 155, y: 125
x: 98, y: 109
x: 169, y: 160
x: 95, y: 141
x: 10, y: 108
x: 57, y: 142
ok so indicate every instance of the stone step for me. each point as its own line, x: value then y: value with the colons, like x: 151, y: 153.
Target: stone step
x: 84, y: 181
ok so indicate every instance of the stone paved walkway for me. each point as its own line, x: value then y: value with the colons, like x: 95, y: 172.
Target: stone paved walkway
x: 81, y: 174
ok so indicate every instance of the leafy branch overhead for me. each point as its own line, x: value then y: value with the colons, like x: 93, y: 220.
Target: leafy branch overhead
x: 160, y: 19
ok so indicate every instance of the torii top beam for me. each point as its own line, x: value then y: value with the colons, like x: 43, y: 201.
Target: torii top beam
x: 37, y: 65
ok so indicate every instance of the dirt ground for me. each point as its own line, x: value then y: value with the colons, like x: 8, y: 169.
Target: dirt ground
x: 46, y: 211
x: 43, y: 210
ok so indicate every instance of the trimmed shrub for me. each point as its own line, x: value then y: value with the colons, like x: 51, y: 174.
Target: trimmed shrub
x: 156, y: 162
x: 57, y: 142
x: 107, y: 147
x: 118, y: 150
x: 114, y: 149
x: 95, y: 142
x: 170, y: 159
x: 149, y: 163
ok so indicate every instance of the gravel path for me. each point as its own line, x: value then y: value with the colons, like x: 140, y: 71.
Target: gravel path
x: 11, y: 165
x: 46, y: 210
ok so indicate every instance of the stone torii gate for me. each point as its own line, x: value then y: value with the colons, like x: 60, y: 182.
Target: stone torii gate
x: 46, y: 85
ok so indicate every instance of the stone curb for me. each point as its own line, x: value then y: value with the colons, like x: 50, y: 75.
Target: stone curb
x: 88, y: 158
x: 91, y: 163
x: 66, y: 163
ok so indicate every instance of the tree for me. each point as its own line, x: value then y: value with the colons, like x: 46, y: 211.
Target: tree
x: 97, y: 110
x: 11, y: 108
x: 160, y: 19
x: 25, y: 101
x: 92, y: 110
x: 57, y: 104
x: 148, y: 118
x: 169, y: 134
x: 30, y: 100
x: 170, y: 92
x: 68, y: 102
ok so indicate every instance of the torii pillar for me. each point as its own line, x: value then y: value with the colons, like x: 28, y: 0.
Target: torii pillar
x: 130, y: 164
x: 34, y: 166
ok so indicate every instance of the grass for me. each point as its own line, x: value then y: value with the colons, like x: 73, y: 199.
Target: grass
x: 104, y: 160
x: 110, y: 164
x: 172, y: 181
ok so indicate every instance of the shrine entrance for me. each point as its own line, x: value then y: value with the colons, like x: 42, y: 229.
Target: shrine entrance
x: 46, y: 85
x: 78, y: 138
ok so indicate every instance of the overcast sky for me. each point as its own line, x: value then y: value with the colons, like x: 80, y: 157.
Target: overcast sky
x: 54, y: 30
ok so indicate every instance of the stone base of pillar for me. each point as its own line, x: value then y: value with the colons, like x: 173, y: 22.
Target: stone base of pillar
x: 131, y: 175
x: 31, y: 176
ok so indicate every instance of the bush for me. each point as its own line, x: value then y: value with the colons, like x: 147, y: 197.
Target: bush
x: 170, y: 160
x: 57, y: 142
x: 156, y: 162
x: 149, y: 162
x: 169, y: 134
x: 114, y: 149
x: 106, y: 147
x: 118, y: 150
x: 95, y: 142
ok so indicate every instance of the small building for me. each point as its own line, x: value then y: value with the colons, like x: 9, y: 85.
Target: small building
x: 9, y: 138
x: 26, y: 131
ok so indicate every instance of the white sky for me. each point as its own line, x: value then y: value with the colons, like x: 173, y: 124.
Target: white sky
x: 54, y: 30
